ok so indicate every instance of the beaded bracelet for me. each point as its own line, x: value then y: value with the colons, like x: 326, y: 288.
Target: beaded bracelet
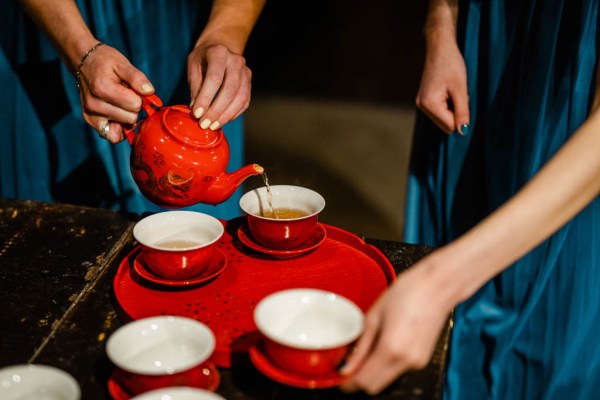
x: 85, y: 56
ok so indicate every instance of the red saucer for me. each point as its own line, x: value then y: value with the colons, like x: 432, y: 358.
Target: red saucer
x: 217, y: 266
x: 115, y: 390
x: 246, y: 238
x: 264, y: 365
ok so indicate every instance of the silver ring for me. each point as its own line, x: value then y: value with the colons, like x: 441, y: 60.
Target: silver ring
x: 103, y: 132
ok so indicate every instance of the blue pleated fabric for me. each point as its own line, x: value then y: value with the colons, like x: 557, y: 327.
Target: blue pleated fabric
x: 533, y: 332
x: 48, y: 152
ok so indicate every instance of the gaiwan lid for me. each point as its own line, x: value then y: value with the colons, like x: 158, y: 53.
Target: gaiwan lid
x: 180, y: 123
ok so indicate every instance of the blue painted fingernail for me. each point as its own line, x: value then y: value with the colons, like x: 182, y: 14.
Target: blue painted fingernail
x: 464, y: 129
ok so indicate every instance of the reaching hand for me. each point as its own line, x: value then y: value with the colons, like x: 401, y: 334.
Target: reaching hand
x: 219, y: 85
x: 443, y: 92
x: 401, y: 331
x: 111, y: 89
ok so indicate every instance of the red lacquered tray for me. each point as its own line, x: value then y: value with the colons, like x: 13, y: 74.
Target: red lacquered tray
x: 343, y: 264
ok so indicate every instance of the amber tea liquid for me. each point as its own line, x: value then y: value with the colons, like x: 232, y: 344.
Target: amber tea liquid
x: 285, y: 213
x: 176, y: 244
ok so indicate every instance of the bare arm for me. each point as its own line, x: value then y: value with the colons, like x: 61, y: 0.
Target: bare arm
x: 403, y: 325
x: 63, y: 24
x: 110, y: 87
x: 440, y: 24
x: 217, y: 64
x: 566, y: 184
x: 230, y: 23
x: 443, y: 94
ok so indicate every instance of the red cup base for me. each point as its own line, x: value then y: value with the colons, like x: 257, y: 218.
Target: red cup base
x: 261, y: 361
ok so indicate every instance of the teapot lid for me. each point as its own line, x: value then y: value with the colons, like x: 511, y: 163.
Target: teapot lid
x: 178, y: 120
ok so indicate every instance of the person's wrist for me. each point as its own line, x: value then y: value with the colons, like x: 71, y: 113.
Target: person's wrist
x: 85, y: 56
x: 233, y: 38
x: 73, y: 50
x: 448, y: 276
x: 439, y: 37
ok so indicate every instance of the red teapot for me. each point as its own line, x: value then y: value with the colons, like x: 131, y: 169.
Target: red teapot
x: 176, y: 163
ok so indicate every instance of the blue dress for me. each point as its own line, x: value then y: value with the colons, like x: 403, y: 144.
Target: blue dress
x: 47, y: 152
x: 533, y: 332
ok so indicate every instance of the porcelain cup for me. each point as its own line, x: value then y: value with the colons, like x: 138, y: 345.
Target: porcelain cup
x: 178, y: 245
x: 157, y: 352
x: 36, y: 381
x: 308, y: 332
x: 178, y: 393
x: 282, y: 232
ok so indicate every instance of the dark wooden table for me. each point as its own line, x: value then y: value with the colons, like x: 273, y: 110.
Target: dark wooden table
x: 57, y: 264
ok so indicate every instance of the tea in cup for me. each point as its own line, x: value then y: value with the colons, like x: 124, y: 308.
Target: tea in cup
x: 308, y: 332
x: 282, y: 217
x: 156, y: 352
x: 36, y: 381
x: 178, y: 245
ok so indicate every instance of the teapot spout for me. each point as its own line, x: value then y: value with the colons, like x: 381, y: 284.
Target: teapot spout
x: 223, y: 187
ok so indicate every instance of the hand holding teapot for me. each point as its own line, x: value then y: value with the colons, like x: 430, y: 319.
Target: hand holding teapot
x: 176, y: 163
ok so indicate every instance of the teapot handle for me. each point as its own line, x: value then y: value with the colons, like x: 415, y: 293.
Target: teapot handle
x: 148, y: 105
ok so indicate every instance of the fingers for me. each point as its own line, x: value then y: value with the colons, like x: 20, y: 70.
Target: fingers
x: 382, y: 367
x: 110, y: 92
x: 234, y: 106
x: 438, y: 110
x: 220, y: 84
x: 443, y: 94
x: 401, y: 332
x: 135, y: 79
x: 111, y: 131
x: 460, y: 100
x: 98, y: 103
x: 99, y: 113
x: 213, y: 65
x: 111, y: 95
x: 449, y: 112
x: 363, y: 346
x: 385, y: 358
x: 195, y: 69
x: 371, y: 353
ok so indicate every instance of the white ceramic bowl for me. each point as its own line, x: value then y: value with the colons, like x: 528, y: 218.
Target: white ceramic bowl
x: 308, y: 331
x: 256, y: 202
x: 282, y: 233
x: 164, y: 351
x: 309, y: 318
x: 160, y: 345
x: 178, y: 245
x: 40, y: 382
x: 178, y: 393
x: 171, y: 226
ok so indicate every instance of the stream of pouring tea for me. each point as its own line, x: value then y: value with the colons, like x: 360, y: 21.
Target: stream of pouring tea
x: 269, y: 194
